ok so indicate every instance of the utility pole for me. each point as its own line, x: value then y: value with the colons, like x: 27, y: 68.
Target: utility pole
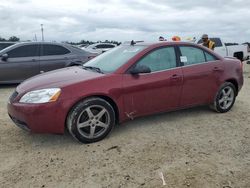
x: 42, y: 32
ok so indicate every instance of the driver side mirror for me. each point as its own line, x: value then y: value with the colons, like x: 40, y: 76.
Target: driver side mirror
x: 140, y: 69
x: 4, y: 57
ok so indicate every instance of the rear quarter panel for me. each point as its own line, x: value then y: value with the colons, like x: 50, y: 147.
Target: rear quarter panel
x: 233, y: 71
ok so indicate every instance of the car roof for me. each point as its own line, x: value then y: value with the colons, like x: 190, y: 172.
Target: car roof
x: 7, y: 42
x: 161, y: 43
x: 40, y: 42
x: 152, y: 45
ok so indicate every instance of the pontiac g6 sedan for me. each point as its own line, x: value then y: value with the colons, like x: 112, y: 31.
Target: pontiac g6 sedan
x: 124, y: 83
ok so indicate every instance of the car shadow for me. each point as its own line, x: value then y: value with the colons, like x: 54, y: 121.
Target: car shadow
x: 165, y: 117
x: 66, y: 140
x: 47, y: 140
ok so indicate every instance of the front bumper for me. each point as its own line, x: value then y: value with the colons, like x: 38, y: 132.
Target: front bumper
x: 39, y: 118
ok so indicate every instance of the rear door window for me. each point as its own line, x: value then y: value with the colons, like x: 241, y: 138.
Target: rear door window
x: 192, y: 55
x: 24, y: 51
x: 52, y: 49
x: 210, y: 57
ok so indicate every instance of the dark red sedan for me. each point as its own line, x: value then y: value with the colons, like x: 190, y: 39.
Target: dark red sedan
x: 127, y: 82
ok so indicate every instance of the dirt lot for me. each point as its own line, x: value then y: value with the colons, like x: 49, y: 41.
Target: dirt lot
x: 192, y: 148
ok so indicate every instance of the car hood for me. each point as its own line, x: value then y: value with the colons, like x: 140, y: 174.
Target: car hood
x: 58, y: 78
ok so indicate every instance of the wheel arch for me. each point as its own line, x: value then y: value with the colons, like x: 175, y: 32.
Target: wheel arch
x: 235, y: 83
x: 101, y: 96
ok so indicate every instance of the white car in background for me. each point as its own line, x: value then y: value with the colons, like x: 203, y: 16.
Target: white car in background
x: 240, y: 51
x: 99, y: 47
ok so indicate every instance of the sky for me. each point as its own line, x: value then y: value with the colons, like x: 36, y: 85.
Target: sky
x: 124, y: 20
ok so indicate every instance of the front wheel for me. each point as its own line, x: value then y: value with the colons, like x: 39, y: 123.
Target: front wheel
x: 91, y: 120
x: 225, y: 98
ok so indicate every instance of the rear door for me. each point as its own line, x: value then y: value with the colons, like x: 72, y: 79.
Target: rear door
x: 22, y: 63
x: 156, y: 91
x: 53, y: 57
x: 201, y: 73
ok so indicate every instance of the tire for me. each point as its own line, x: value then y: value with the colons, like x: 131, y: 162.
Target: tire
x: 225, y: 98
x: 91, y: 120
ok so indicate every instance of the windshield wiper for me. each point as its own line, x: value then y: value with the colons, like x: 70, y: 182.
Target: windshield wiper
x: 93, y: 68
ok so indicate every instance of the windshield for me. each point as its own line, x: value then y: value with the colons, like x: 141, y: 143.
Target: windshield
x: 113, y: 59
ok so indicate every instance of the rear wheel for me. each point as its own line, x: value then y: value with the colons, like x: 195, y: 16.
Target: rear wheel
x: 91, y: 120
x: 225, y: 98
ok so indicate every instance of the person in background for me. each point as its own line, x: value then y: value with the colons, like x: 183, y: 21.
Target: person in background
x: 162, y: 38
x: 207, y: 42
x: 176, y: 38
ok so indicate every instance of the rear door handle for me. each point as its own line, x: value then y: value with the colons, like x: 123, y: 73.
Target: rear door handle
x: 217, y: 69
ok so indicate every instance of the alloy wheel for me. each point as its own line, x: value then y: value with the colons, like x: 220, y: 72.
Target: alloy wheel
x: 93, y: 121
x: 226, y: 98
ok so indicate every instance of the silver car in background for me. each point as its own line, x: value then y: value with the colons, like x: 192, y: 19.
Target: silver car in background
x: 99, y: 47
x: 6, y: 44
x: 26, y: 59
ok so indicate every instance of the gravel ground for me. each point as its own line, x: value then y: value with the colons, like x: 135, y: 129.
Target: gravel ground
x: 191, y: 148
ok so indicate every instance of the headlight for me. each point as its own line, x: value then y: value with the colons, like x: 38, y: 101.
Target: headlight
x: 41, y: 96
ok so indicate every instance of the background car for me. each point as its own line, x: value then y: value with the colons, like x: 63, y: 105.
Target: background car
x: 99, y: 47
x: 5, y: 44
x: 24, y: 60
x: 127, y: 82
x: 240, y: 51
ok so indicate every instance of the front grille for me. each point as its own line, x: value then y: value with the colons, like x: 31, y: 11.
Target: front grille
x: 13, y: 96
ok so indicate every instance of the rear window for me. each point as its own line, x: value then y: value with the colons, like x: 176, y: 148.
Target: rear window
x: 5, y: 45
x: 105, y: 46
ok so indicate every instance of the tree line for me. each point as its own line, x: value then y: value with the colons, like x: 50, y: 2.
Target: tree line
x: 87, y: 42
x: 82, y: 42
x: 11, y: 39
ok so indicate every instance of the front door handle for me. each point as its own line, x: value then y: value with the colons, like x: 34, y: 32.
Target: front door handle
x: 175, y: 76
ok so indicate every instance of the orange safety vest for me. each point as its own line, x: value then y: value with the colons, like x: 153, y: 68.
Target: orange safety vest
x: 211, y: 45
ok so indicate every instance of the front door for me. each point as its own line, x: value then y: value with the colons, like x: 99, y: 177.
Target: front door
x: 22, y: 63
x: 156, y: 91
